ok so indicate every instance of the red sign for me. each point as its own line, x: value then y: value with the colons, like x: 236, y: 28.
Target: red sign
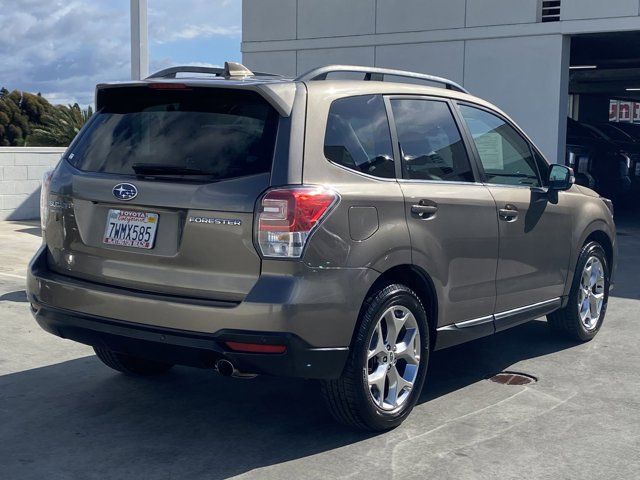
x: 636, y: 112
x: 622, y: 111
x: 625, y: 111
x: 613, y: 110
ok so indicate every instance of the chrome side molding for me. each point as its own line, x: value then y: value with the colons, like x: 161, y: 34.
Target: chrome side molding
x: 462, y: 332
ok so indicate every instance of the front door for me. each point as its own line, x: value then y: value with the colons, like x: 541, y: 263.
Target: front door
x: 451, y: 217
x: 534, y: 223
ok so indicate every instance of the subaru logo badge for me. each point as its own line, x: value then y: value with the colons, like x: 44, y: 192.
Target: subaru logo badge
x: 125, y: 191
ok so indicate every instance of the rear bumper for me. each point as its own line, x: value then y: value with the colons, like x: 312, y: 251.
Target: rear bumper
x: 313, y: 314
x: 195, y: 349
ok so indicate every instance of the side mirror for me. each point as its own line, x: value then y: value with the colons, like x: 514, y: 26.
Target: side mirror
x: 560, y: 177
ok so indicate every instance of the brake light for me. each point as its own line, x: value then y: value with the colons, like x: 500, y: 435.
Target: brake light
x: 288, y: 216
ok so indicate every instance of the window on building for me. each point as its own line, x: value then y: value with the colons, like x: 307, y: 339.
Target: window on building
x: 358, y: 136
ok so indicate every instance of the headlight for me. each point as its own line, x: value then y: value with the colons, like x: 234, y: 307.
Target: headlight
x: 44, y: 198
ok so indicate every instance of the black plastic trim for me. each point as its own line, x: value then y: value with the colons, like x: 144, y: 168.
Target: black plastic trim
x: 194, y: 349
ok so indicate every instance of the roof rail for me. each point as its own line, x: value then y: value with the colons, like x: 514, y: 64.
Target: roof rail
x: 230, y: 70
x: 377, y: 74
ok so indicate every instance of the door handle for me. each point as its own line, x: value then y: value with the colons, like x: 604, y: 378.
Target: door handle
x: 425, y: 209
x: 508, y: 214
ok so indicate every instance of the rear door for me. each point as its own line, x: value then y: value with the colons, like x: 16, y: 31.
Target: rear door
x: 159, y: 191
x: 451, y: 217
x: 535, y: 224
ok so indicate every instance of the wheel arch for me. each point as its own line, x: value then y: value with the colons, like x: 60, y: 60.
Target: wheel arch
x: 600, y: 232
x: 603, y: 239
x: 417, y: 280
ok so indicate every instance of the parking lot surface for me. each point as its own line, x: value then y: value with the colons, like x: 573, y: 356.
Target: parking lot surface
x: 64, y: 415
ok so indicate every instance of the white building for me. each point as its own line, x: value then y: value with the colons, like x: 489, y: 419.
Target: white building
x: 515, y: 53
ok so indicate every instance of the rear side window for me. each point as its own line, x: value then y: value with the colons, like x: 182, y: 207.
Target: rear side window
x: 210, y: 134
x: 358, y: 136
x: 430, y: 142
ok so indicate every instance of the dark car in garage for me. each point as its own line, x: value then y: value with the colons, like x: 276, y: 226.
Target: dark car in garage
x: 627, y: 144
x: 599, y: 163
x: 631, y: 129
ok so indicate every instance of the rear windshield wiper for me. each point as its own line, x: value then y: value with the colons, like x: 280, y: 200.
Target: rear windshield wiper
x: 164, y: 169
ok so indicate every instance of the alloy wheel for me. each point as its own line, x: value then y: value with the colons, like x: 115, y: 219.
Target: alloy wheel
x: 393, y: 357
x: 591, y: 295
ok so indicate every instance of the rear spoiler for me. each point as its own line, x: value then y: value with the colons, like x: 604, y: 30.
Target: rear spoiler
x: 279, y: 94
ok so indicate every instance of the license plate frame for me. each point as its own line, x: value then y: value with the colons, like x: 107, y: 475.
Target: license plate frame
x: 131, y: 228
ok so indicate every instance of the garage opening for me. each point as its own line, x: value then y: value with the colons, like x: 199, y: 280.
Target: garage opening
x: 603, y: 129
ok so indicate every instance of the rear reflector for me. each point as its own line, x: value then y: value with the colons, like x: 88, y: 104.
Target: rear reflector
x: 255, y: 347
x: 288, y: 216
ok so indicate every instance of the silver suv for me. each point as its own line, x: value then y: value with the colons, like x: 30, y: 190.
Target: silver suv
x: 323, y: 228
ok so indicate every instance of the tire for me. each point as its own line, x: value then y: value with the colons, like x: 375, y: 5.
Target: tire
x: 130, y: 365
x: 350, y: 399
x: 568, y: 321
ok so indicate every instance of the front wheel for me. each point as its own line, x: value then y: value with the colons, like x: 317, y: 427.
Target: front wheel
x: 582, y: 318
x: 387, y: 365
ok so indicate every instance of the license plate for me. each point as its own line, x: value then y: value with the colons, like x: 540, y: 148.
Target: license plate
x: 128, y: 228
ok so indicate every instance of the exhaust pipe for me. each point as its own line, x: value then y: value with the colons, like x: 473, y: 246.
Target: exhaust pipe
x: 227, y: 369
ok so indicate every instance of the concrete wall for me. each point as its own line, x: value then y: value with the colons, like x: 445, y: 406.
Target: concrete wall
x: 21, y: 170
x: 529, y: 87
x: 501, y: 12
x: 582, y: 9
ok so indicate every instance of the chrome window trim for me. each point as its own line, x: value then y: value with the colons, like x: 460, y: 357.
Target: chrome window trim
x: 438, y: 182
x: 503, y: 185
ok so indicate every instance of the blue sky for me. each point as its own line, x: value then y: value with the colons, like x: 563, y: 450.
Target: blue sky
x: 62, y: 49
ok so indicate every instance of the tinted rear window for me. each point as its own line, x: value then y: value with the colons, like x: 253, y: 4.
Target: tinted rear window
x: 220, y: 133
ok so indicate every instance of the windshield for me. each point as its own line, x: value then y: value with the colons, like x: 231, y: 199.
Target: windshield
x: 614, y: 133
x: 201, y: 131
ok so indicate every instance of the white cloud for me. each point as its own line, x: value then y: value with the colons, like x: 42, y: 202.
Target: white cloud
x: 64, y: 48
x: 203, y: 31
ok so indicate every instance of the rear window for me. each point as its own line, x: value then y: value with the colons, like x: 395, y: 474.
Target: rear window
x: 201, y: 133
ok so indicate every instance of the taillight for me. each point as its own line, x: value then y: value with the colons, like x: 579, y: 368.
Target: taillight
x: 288, y: 216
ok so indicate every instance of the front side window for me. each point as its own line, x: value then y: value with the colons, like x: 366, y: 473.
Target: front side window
x: 504, y: 154
x: 430, y: 143
x: 358, y: 136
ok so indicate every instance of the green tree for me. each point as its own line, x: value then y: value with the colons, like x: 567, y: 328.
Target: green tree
x: 14, y: 123
x: 60, y: 125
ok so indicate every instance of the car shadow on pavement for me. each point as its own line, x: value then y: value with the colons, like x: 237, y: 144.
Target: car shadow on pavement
x: 455, y: 368
x: 31, y: 227
x: 78, y: 416
x: 19, y: 296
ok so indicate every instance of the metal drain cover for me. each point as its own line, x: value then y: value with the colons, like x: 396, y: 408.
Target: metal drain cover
x: 513, y: 378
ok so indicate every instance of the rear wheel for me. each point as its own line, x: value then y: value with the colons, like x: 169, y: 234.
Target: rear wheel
x: 582, y: 318
x: 387, y: 365
x: 130, y: 365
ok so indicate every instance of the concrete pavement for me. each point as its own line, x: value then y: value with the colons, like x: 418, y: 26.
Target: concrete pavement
x: 63, y: 415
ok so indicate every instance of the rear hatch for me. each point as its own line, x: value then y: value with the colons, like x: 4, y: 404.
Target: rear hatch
x: 157, y: 192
